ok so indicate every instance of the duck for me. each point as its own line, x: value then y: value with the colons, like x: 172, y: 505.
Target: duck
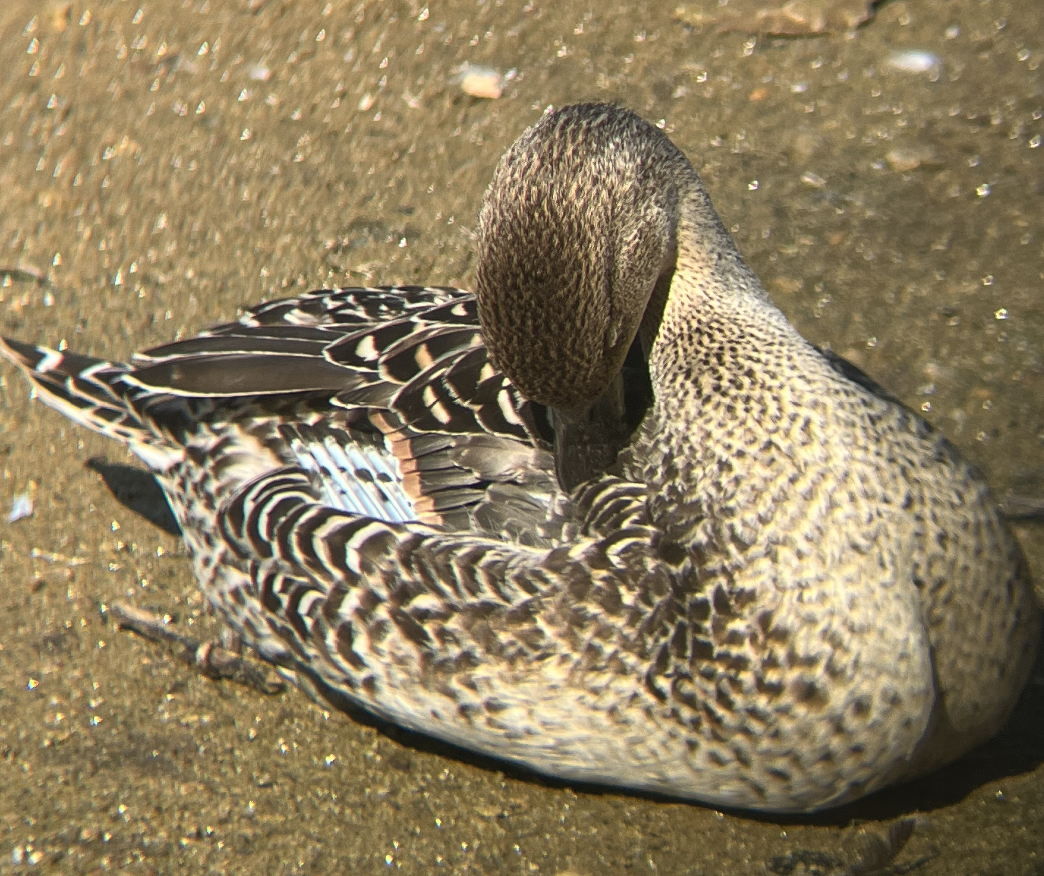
x: 609, y: 518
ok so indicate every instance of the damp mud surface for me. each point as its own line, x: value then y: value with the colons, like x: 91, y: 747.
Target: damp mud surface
x: 163, y: 164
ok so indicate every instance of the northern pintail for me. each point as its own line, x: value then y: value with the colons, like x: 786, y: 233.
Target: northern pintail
x: 754, y: 581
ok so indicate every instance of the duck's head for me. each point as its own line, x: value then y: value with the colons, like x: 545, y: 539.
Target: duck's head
x: 576, y: 229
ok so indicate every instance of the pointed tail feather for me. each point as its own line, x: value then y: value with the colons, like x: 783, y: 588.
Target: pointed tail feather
x: 88, y: 391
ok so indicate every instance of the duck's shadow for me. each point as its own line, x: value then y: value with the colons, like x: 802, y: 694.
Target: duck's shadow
x: 136, y: 489
x: 1017, y: 750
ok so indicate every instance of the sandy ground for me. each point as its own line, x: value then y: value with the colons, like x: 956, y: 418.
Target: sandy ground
x: 163, y: 165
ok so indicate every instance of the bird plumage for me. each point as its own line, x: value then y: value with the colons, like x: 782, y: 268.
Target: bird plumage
x: 785, y: 592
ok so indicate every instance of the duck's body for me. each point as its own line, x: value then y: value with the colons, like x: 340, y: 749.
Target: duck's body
x: 787, y: 591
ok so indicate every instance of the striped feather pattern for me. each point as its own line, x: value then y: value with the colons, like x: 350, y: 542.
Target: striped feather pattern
x: 368, y: 501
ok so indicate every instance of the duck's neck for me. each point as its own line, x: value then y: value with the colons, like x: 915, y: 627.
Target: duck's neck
x: 711, y: 336
x: 709, y: 296
x: 709, y: 273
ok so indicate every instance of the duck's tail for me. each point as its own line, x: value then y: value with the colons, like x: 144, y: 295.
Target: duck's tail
x: 89, y: 391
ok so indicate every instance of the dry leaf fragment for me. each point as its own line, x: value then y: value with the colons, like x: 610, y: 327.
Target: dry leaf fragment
x: 774, y: 18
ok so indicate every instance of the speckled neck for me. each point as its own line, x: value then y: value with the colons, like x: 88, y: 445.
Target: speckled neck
x: 722, y: 358
x: 710, y: 279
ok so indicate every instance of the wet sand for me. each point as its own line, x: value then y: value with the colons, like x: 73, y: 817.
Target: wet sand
x: 161, y: 166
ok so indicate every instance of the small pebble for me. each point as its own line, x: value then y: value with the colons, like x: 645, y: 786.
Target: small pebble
x: 912, y: 61
x: 904, y: 159
x: 481, y: 81
x: 21, y: 507
x: 870, y: 850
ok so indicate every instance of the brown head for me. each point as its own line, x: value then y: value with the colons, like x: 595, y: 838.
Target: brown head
x: 576, y: 228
